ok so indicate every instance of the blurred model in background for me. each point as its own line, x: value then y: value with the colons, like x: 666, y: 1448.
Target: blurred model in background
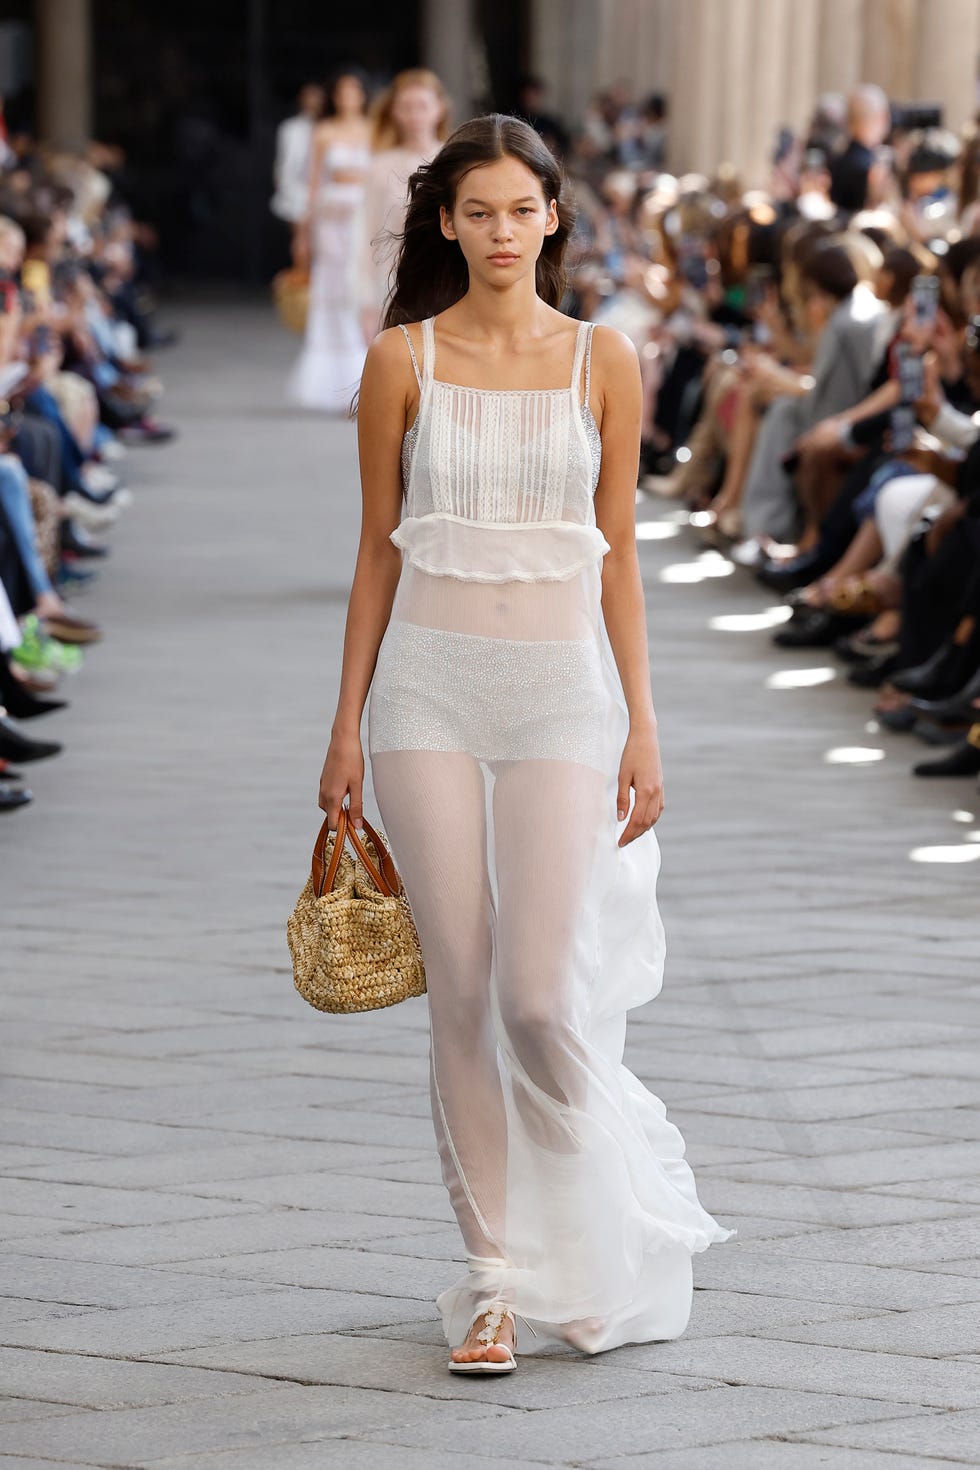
x: 411, y: 119
x: 328, y: 237
x: 291, y: 171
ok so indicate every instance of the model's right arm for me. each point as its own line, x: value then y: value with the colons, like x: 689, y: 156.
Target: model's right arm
x: 387, y: 390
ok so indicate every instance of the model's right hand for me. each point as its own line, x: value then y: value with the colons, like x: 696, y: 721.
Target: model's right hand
x: 343, y: 775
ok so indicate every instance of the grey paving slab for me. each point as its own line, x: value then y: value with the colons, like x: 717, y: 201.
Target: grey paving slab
x: 109, y: 1383
x: 778, y: 1454
x: 758, y: 1269
x: 346, y: 1454
x: 217, y: 1236
x: 938, y: 1332
x: 255, y: 1311
x: 275, y: 1414
x: 379, y: 1362
x: 89, y: 1284
x: 223, y: 1212
x: 14, y: 1410
x: 854, y: 1170
x: 32, y: 1462
x: 122, y: 1206
x: 952, y: 1435
x: 820, y: 1369
x: 924, y: 1241
x: 687, y: 1418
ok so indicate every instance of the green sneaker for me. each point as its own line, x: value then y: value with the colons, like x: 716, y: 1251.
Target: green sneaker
x: 38, y: 650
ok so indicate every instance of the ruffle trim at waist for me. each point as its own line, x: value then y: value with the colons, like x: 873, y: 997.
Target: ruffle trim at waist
x: 448, y: 545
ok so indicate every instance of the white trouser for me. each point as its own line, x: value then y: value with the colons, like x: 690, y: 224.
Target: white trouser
x: 900, y: 506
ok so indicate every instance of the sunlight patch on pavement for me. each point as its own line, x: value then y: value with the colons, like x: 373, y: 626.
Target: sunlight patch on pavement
x: 800, y: 678
x: 708, y: 564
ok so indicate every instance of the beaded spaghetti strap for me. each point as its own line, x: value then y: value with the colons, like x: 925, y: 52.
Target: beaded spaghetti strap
x: 415, y: 365
x: 583, y: 348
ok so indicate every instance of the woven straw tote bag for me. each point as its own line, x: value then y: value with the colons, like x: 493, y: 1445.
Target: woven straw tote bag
x: 291, y: 293
x: 351, y: 935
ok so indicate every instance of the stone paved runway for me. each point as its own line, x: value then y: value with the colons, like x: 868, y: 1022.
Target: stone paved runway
x: 223, y: 1221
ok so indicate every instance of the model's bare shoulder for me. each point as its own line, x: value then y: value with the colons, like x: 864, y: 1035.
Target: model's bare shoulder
x: 612, y: 350
x: 388, y: 354
x: 616, y: 378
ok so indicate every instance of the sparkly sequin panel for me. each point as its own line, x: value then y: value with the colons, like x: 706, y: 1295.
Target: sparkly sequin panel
x: 499, y: 700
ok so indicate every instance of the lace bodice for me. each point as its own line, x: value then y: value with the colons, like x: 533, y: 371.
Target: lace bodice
x: 516, y: 407
x: 499, y: 482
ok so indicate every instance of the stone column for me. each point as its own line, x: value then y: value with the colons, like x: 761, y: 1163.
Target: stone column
x: 738, y: 83
x: 564, y: 50
x: 447, y: 32
x: 801, y: 64
x: 888, y: 46
x: 947, y: 42
x: 63, y: 30
x: 840, y: 50
x: 767, y: 114
x: 696, y: 93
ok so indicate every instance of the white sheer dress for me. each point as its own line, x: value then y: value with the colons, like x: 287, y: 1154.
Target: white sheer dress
x: 496, y: 723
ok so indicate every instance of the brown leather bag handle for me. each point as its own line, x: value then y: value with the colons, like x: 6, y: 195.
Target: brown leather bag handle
x: 386, y: 880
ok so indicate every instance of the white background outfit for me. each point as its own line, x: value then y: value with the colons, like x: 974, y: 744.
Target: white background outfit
x: 385, y: 205
x: 291, y: 171
x: 496, y: 725
x: 329, y: 367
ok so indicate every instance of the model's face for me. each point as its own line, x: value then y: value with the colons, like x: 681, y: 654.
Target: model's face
x: 348, y: 96
x: 500, y: 219
x: 311, y: 101
x: 416, y: 112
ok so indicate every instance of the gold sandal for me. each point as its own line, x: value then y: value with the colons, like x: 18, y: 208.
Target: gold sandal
x: 495, y: 1314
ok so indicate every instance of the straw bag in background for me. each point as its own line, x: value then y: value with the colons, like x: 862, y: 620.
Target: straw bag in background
x: 291, y: 293
x: 351, y: 935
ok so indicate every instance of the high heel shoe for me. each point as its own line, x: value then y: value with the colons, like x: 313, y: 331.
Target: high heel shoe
x: 941, y: 675
x: 958, y: 706
x: 495, y: 1314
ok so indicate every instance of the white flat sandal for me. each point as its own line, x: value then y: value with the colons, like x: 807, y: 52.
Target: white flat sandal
x: 495, y: 1315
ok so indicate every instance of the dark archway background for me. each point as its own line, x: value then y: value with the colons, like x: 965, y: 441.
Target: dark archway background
x: 194, y: 91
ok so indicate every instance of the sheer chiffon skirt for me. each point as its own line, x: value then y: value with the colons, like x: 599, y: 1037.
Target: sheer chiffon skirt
x: 496, y: 725
x: 328, y: 368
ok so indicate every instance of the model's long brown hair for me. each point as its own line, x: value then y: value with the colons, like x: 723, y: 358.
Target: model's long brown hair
x: 430, y: 271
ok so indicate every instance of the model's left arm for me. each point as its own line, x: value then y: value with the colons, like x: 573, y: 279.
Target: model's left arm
x: 616, y: 384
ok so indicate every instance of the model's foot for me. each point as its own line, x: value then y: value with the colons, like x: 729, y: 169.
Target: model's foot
x: 473, y: 1350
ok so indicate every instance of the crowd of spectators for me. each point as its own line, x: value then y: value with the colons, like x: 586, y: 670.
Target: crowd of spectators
x: 76, y: 389
x: 811, y: 360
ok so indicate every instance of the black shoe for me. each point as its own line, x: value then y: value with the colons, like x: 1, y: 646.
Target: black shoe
x: 19, y: 701
x: 931, y: 732
x: 17, y: 747
x: 812, y: 627
x: 784, y: 576
x: 856, y: 648
x: 963, y: 760
x: 871, y: 673
x: 75, y: 540
x: 899, y: 720
x: 943, y: 674
x: 12, y: 797
x: 21, y: 704
x: 958, y: 706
